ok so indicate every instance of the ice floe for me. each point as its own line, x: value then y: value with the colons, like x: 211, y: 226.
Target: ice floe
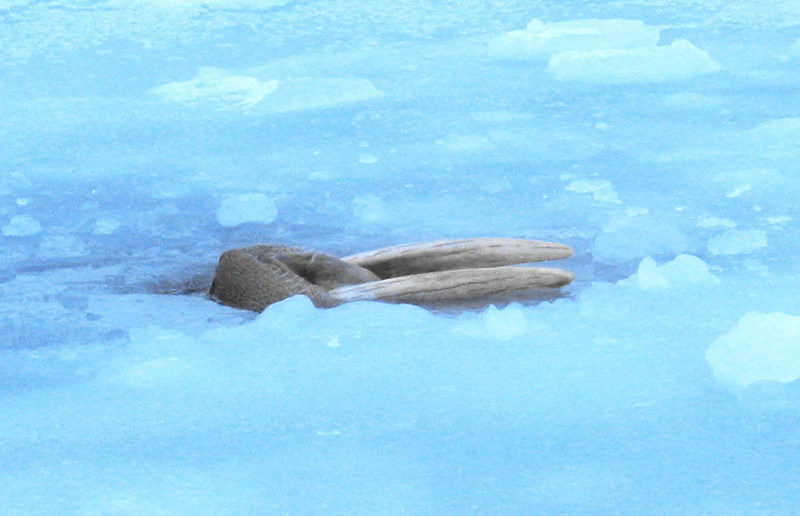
x: 600, y: 189
x: 615, y: 51
x: 218, y: 86
x: 236, y: 209
x: 761, y: 347
x: 540, y: 40
x: 738, y: 241
x: 683, y: 270
x: 223, y: 89
x: 21, y: 226
x: 627, y: 237
x: 676, y: 61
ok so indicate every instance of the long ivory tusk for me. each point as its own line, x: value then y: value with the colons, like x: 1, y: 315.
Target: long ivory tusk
x: 454, y: 285
x: 442, y: 255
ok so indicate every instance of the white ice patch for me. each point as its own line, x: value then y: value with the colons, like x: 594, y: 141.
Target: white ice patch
x: 469, y: 143
x: 369, y: 209
x: 226, y: 90
x: 495, y: 324
x: 496, y: 185
x: 238, y: 209
x: 691, y: 101
x: 739, y: 190
x: 600, y: 189
x: 541, y: 40
x: 761, y: 347
x: 507, y: 323
x: 778, y: 220
x: 715, y: 222
x: 647, y: 64
x: 738, y: 241
x: 106, y: 226
x: 318, y: 93
x: 683, y: 270
x: 627, y: 238
x: 777, y: 138
x: 21, y: 226
x: 218, y: 86
x: 368, y: 159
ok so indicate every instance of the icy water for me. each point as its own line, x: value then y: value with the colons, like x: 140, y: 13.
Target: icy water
x: 140, y: 139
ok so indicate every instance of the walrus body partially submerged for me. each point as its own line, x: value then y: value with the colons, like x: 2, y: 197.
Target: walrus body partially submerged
x: 427, y: 273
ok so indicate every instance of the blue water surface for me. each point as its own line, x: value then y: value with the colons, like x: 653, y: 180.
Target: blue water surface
x: 140, y: 139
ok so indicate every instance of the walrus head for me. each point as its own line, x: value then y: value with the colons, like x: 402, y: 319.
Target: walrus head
x: 448, y: 270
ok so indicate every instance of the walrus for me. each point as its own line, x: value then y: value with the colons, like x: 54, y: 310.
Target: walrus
x: 255, y: 277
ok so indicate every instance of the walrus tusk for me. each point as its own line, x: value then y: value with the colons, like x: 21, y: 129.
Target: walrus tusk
x: 448, y: 270
x: 455, y: 285
x: 442, y: 255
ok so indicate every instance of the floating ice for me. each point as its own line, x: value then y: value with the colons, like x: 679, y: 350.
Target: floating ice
x: 238, y: 209
x: 473, y: 143
x: 225, y: 89
x: 691, y: 101
x: 778, y: 220
x: 220, y: 86
x: 21, y: 226
x: 746, y: 183
x: 106, y: 226
x: 739, y: 190
x: 677, y: 61
x: 648, y: 276
x: 369, y: 209
x: 505, y: 324
x: 368, y: 159
x: 319, y: 92
x: 541, y: 40
x: 761, y: 347
x: 779, y: 137
x: 738, y: 241
x: 683, y: 270
x: 627, y: 237
x: 715, y: 222
x: 495, y: 324
x: 495, y: 185
x: 600, y: 189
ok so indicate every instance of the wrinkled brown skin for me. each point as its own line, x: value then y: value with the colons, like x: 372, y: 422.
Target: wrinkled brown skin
x: 255, y: 277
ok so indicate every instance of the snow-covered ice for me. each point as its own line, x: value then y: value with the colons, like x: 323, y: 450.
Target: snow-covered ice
x: 604, y: 51
x: 540, y: 40
x: 141, y: 139
x: 677, y: 61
